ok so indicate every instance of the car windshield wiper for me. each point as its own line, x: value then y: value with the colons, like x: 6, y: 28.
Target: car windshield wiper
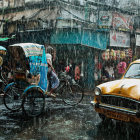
x: 131, y: 76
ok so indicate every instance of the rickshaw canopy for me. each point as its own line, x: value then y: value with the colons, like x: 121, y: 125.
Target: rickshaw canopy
x: 30, y: 49
x: 35, y: 53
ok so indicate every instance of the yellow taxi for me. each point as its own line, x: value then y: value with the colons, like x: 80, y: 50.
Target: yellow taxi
x: 120, y: 99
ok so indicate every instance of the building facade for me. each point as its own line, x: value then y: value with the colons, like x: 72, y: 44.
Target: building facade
x: 85, y: 33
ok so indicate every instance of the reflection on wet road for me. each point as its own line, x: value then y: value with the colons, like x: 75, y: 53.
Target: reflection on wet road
x: 62, y: 122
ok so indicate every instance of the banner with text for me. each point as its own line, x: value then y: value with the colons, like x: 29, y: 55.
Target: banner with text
x: 119, y: 39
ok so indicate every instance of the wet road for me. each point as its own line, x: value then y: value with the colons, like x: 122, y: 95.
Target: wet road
x: 62, y: 122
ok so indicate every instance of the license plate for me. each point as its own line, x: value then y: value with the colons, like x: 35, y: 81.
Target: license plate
x: 117, y: 116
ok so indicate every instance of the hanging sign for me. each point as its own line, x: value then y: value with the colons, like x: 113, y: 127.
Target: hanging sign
x: 105, y: 19
x: 119, y: 39
x: 121, y: 21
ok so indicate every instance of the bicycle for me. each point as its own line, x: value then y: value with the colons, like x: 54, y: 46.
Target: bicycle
x: 70, y: 92
x: 17, y: 97
x: 10, y: 93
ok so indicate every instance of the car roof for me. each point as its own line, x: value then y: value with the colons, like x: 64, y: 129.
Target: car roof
x: 136, y: 61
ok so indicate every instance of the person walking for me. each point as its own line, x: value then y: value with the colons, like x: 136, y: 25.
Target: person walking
x: 52, y: 77
x: 121, y: 68
x: 77, y: 72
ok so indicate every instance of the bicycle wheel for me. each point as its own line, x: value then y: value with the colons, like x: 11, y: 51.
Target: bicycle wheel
x: 33, y: 103
x: 72, y: 94
x: 13, y: 98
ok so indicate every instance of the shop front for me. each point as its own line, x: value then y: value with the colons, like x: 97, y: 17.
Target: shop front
x: 118, y: 51
x: 79, y: 47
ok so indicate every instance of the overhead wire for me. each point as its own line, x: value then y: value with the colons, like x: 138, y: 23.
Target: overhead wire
x: 87, y: 21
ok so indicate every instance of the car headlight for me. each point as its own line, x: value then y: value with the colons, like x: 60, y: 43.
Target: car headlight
x: 97, y: 91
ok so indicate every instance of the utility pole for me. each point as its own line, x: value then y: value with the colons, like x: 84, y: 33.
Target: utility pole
x: 86, y: 10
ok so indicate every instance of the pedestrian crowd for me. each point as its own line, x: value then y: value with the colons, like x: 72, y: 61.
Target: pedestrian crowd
x: 108, y: 71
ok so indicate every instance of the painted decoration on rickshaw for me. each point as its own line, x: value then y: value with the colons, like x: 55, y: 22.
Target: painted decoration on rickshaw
x: 43, y: 71
x: 38, y: 65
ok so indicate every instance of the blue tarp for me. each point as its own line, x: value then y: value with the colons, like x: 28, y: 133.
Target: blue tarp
x: 43, y: 71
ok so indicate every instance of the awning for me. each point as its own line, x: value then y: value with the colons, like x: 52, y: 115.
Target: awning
x: 85, y: 37
x: 4, y: 39
x: 33, y: 14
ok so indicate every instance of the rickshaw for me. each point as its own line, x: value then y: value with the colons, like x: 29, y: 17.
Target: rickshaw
x: 5, y: 86
x: 29, y: 74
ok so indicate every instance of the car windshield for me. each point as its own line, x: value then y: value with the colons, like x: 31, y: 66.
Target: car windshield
x: 133, y: 71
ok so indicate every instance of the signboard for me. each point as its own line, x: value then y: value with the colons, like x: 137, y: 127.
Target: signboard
x: 137, y: 40
x: 122, y: 22
x: 119, y: 39
x: 105, y: 19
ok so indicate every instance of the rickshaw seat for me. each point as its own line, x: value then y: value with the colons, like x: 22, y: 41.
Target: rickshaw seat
x: 20, y: 75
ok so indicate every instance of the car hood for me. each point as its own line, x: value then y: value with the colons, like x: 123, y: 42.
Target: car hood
x: 125, y: 87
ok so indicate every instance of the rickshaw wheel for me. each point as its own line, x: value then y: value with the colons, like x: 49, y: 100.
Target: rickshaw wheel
x: 33, y: 103
x: 13, y: 98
